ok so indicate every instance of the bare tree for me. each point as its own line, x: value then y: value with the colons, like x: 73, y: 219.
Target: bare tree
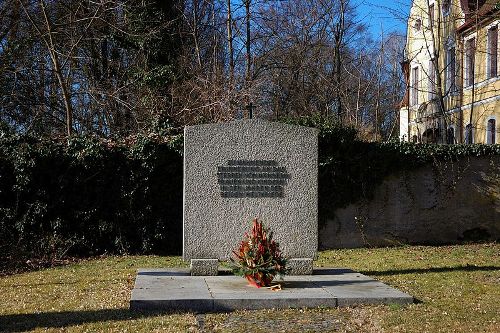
x: 115, y: 68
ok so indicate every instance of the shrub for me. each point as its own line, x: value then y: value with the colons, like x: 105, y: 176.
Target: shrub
x: 350, y: 169
x: 89, y: 197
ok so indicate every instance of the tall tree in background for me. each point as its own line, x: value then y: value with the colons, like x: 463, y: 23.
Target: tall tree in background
x: 121, y: 67
x: 94, y: 66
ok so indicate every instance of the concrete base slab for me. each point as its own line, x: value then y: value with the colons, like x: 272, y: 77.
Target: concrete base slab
x: 176, y: 290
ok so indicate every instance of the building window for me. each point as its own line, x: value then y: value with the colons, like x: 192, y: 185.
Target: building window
x: 414, y: 139
x: 431, y: 15
x: 450, y: 70
x: 490, y: 132
x: 414, y: 86
x: 418, y: 24
x: 432, y: 80
x: 492, y: 52
x: 470, y: 54
x: 469, y: 134
x: 446, y: 7
x: 450, y: 135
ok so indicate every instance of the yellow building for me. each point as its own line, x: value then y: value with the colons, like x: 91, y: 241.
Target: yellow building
x: 452, y: 72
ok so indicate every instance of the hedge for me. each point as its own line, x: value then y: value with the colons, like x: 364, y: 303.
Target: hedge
x: 88, y: 196
x: 351, y: 169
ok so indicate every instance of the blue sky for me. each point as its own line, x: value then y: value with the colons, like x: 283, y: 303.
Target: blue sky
x: 384, y: 15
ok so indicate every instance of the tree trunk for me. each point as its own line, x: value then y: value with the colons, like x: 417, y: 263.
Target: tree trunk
x: 248, y: 57
x: 58, y: 72
x: 339, y: 37
x: 230, y: 43
x: 247, y: 43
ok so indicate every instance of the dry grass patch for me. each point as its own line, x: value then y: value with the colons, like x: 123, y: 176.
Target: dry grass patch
x: 90, y: 296
x: 457, y: 286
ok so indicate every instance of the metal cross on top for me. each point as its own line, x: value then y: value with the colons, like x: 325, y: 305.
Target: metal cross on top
x: 250, y: 108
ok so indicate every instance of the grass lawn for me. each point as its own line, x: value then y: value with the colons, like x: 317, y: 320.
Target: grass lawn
x: 457, y: 288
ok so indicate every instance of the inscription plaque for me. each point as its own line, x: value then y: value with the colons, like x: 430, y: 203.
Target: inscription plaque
x: 252, y: 179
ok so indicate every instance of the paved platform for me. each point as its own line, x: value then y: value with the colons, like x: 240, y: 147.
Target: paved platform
x: 175, y: 289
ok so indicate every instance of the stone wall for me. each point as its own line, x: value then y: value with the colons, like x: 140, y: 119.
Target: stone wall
x: 443, y: 203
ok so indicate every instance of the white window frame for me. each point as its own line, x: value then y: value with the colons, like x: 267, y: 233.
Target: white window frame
x: 446, y: 13
x: 454, y: 128
x: 450, y: 78
x: 471, y: 133
x: 487, y: 130
x: 417, y: 24
x: 488, y: 51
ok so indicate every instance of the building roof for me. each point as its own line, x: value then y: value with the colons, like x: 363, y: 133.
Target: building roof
x: 486, y: 10
x: 469, y: 6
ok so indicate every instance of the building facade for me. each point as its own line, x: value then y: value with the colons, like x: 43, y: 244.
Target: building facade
x: 452, y: 72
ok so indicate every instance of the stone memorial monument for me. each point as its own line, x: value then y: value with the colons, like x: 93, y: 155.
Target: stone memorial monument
x: 240, y: 170
x: 233, y: 173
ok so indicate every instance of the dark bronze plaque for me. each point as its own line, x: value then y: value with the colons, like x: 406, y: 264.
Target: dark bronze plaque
x: 252, y: 179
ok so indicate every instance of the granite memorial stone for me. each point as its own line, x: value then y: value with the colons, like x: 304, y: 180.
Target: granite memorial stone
x: 240, y: 170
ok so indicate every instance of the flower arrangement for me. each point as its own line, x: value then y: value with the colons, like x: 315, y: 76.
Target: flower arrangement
x: 258, y: 257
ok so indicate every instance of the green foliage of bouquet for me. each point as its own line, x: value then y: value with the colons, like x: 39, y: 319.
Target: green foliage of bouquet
x: 258, y: 257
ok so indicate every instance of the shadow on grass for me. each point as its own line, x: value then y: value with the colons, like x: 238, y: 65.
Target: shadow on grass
x: 467, y: 268
x: 31, y: 321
